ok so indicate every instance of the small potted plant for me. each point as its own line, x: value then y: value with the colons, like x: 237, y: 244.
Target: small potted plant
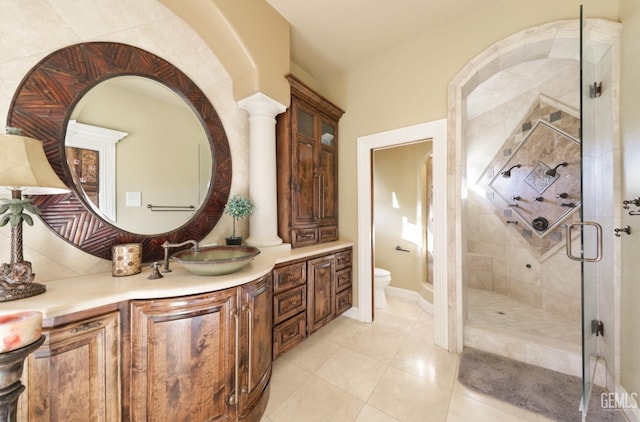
x: 238, y: 207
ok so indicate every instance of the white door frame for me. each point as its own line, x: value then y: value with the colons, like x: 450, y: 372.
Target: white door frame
x: 437, y: 132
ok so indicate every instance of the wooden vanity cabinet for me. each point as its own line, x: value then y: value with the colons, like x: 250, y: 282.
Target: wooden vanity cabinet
x: 307, y: 163
x: 75, y: 374
x: 203, y: 357
x: 308, y: 294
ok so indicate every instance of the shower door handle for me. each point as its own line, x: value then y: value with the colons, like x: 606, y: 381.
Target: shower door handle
x: 598, y: 227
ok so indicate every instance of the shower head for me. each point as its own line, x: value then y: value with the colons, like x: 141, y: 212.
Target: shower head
x: 552, y: 172
x: 507, y: 173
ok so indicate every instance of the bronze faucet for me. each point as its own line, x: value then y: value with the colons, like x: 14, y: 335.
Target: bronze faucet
x: 166, y: 245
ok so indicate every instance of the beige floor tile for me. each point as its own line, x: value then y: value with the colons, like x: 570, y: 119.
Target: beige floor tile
x: 340, y: 329
x: 386, y: 371
x: 371, y: 414
x: 353, y: 372
x: 464, y: 408
x: 285, y: 380
x: 423, y: 331
x: 420, y: 357
x: 392, y: 324
x: 409, y: 398
x: 377, y: 344
x: 318, y: 401
x: 402, y: 308
x: 311, y: 353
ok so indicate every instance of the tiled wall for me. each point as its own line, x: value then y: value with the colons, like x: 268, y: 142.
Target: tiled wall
x: 514, y: 259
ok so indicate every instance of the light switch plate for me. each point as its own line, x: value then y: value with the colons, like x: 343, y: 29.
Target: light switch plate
x: 134, y: 199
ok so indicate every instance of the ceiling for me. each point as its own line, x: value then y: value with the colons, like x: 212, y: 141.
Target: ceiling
x: 330, y: 36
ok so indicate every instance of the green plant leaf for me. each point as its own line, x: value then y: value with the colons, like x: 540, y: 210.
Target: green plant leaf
x: 27, y: 219
x: 15, y: 219
x: 15, y: 208
x: 5, y: 220
x: 30, y: 208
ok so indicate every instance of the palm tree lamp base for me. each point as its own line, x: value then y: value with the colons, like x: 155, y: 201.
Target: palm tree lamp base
x: 16, y: 282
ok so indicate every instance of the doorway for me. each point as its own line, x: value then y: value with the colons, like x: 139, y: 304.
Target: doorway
x: 437, y: 132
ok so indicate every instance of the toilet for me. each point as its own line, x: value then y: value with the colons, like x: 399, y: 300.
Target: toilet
x: 381, y: 279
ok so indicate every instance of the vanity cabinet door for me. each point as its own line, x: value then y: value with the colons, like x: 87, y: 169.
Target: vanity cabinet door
x: 304, y: 202
x: 255, y: 347
x: 75, y: 374
x: 183, y: 357
x: 321, y: 287
x: 328, y: 180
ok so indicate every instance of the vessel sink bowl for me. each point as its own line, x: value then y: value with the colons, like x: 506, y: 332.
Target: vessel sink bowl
x: 19, y: 330
x: 216, y: 260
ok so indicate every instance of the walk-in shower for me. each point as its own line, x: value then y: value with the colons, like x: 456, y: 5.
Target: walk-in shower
x: 530, y: 167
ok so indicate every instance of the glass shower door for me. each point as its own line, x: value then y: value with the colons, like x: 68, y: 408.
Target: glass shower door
x: 593, y: 235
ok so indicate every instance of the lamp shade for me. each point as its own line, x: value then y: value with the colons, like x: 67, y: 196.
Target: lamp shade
x: 24, y: 166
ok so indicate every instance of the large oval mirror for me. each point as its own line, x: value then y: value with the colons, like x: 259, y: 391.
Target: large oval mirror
x: 51, y: 101
x: 139, y: 154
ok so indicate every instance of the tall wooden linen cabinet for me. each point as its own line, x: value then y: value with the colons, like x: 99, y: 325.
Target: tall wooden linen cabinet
x: 307, y: 162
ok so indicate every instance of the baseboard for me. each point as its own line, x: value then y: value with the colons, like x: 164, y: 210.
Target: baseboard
x: 352, y: 313
x: 410, y: 295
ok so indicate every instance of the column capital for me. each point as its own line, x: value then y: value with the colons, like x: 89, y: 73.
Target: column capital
x: 261, y: 104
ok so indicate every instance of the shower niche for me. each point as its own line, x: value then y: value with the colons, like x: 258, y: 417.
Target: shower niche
x: 534, y: 179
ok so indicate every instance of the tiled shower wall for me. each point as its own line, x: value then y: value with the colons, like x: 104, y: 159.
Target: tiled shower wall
x: 498, y: 258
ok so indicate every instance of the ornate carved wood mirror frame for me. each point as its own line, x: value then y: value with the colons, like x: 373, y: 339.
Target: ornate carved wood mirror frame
x: 41, y: 107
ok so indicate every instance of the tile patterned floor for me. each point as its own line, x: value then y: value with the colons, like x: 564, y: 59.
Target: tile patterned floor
x: 490, y: 309
x: 381, y: 372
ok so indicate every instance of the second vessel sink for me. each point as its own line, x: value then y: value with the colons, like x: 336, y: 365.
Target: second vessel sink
x: 216, y: 260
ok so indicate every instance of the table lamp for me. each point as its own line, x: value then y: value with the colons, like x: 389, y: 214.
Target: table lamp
x: 24, y: 168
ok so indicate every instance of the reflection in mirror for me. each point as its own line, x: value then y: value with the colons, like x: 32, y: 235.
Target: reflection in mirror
x: 132, y: 142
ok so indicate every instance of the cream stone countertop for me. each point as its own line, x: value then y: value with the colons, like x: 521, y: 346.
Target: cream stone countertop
x: 69, y: 295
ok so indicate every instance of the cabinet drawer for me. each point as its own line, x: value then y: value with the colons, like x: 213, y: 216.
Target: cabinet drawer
x: 284, y: 278
x: 289, y: 303
x: 343, y: 279
x: 328, y: 234
x: 343, y: 301
x: 304, y: 237
x: 288, y: 334
x: 343, y: 259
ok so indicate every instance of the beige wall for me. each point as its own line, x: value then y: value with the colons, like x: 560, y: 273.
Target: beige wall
x: 630, y: 130
x: 399, y: 171
x: 250, y: 38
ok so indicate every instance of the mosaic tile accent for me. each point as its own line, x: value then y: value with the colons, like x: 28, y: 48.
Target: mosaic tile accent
x: 538, y: 179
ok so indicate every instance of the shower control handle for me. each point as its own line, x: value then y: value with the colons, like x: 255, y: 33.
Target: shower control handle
x: 625, y: 229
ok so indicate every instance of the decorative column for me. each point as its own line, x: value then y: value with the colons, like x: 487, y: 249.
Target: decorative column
x: 263, y: 223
